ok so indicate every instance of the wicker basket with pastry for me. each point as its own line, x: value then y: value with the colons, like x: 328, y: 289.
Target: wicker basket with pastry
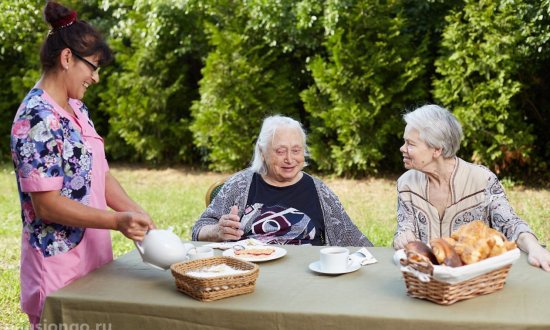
x: 471, y: 243
x: 474, y: 255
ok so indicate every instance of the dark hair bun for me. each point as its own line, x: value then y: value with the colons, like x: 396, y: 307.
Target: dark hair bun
x: 54, y: 13
x: 69, y: 32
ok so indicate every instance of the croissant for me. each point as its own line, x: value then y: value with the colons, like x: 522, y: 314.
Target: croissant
x: 501, y: 245
x: 510, y: 245
x: 445, y: 253
x: 471, y: 254
x: 498, y: 250
x: 450, y: 240
x: 476, y: 241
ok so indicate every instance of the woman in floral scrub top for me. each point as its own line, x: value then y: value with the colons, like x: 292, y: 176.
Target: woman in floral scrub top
x: 62, y: 175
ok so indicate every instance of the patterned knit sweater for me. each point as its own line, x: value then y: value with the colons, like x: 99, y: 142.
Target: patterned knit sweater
x: 339, y: 228
x: 476, y: 194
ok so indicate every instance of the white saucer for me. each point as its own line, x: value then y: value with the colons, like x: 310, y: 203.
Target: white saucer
x: 316, y: 267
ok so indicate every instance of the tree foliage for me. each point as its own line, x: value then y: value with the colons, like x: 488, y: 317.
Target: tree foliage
x: 255, y: 68
x: 19, y: 49
x: 192, y: 80
x: 158, y: 47
x: 485, y: 51
x: 370, y: 75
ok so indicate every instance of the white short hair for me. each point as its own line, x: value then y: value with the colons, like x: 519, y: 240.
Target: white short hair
x: 438, y: 128
x: 269, y: 127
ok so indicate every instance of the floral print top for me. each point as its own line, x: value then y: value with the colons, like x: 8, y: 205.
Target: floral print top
x: 49, y: 153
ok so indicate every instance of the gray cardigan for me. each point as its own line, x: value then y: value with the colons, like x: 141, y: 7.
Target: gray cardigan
x: 339, y: 229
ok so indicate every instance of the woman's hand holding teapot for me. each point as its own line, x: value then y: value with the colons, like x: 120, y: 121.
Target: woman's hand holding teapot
x: 133, y: 225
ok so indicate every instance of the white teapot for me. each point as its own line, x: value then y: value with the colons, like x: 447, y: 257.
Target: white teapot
x: 161, y: 248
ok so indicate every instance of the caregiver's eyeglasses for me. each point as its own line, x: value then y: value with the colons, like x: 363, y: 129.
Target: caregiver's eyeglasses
x: 94, y: 67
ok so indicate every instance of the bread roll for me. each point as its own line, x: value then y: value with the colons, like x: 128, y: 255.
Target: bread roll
x: 418, y: 251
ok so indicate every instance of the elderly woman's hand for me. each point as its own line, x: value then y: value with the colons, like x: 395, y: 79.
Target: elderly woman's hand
x: 228, y: 228
x: 537, y: 255
x: 402, y: 239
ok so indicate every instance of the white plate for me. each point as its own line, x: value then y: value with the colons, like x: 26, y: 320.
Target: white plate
x: 229, y: 245
x: 316, y: 267
x: 279, y: 252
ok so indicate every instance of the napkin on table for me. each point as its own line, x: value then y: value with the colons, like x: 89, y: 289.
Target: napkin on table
x: 363, y: 256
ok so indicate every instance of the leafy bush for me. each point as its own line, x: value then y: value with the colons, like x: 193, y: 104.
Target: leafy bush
x: 373, y: 71
x: 19, y: 60
x: 193, y: 79
x: 485, y: 57
x: 159, y: 48
x: 255, y: 69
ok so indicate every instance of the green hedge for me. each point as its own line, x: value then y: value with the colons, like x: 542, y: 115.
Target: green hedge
x: 192, y: 80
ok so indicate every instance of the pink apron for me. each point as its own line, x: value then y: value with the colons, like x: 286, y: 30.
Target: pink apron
x: 42, y: 275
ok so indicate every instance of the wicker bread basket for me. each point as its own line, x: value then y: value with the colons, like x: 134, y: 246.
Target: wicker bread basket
x: 447, y: 294
x: 214, y: 288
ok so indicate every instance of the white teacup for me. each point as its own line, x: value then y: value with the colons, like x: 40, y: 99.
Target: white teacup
x: 200, y: 252
x: 334, y: 259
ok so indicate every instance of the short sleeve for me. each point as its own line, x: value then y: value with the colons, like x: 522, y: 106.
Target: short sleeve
x: 36, y: 142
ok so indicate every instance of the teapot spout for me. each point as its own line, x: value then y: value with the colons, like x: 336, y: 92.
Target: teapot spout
x: 139, y: 248
x: 161, y: 248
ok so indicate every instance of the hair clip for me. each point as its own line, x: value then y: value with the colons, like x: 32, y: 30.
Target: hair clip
x: 64, y: 22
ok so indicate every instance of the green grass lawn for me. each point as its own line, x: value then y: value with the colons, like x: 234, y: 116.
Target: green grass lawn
x: 175, y: 197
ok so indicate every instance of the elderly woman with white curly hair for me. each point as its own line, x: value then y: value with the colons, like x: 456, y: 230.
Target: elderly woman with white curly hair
x: 274, y: 201
x: 441, y: 192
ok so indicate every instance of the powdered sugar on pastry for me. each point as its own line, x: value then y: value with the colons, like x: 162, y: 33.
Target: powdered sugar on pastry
x: 215, y: 270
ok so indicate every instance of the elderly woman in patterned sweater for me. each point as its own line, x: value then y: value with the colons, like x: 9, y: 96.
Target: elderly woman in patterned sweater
x: 274, y: 201
x: 441, y: 192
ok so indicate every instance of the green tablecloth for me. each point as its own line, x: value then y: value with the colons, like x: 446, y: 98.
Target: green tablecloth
x: 127, y: 294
